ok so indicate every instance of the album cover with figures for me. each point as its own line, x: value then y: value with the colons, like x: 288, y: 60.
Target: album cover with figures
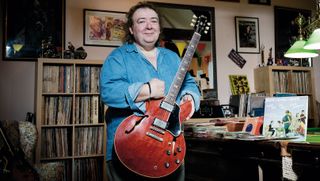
x: 286, y: 117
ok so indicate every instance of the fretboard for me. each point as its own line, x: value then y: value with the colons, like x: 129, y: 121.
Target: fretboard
x: 183, y: 68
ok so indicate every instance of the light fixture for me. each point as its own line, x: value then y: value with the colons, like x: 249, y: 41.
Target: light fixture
x: 297, y: 50
x: 313, y: 42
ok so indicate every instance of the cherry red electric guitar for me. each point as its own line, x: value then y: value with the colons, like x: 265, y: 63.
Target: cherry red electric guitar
x: 153, y: 145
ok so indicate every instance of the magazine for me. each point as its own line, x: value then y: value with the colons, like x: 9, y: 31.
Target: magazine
x: 286, y: 117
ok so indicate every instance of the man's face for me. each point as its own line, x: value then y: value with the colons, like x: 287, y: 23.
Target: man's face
x: 146, y: 27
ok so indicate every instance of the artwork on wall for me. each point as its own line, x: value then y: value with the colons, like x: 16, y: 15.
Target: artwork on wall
x: 177, y: 32
x: 247, y: 34
x: 286, y: 31
x: 262, y: 2
x: 32, y: 30
x: 103, y: 28
x: 237, y: 1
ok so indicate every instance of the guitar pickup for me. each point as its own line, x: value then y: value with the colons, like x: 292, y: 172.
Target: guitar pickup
x: 154, y: 136
x: 159, y: 123
x: 157, y: 130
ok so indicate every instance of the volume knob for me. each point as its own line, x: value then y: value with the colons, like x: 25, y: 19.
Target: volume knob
x: 168, y: 152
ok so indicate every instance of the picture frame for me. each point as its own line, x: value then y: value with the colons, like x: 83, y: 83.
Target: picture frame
x: 261, y: 2
x: 103, y: 28
x: 247, y: 34
x: 32, y: 29
x: 235, y: 1
x: 286, y: 31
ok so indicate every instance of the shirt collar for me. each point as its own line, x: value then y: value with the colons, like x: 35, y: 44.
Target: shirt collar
x: 130, y: 47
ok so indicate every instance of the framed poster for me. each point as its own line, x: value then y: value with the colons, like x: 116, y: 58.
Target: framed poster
x: 262, y: 2
x: 247, y: 35
x: 103, y: 28
x: 286, y: 30
x: 237, y: 1
x: 32, y: 29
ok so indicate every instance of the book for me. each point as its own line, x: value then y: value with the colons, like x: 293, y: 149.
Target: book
x: 286, y: 117
x: 94, y: 109
x: 239, y: 84
x: 255, y: 104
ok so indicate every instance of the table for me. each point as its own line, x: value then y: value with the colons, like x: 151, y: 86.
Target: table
x: 230, y: 159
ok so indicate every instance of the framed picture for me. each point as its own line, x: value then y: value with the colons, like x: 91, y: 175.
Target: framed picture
x: 237, y: 1
x: 33, y: 30
x: 286, y: 30
x: 262, y: 2
x: 103, y: 28
x: 247, y: 34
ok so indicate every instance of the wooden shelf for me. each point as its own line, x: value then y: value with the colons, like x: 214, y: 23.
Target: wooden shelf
x: 288, y: 79
x: 70, y: 118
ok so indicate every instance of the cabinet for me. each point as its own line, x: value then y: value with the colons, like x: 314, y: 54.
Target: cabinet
x: 70, y: 117
x: 288, y: 79
x: 210, y: 159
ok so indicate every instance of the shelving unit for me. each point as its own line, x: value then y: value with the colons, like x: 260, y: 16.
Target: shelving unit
x: 69, y: 117
x: 288, y: 79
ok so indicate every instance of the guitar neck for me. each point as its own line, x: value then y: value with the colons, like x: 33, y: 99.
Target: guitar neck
x: 183, y: 68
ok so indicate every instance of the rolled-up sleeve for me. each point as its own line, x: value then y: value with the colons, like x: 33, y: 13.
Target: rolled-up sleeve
x: 115, y: 89
x: 190, y: 87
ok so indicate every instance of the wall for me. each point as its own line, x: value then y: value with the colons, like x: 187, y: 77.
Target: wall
x: 17, y: 85
x: 225, y: 32
x: 17, y: 78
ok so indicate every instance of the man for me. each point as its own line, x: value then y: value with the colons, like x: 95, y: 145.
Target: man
x: 137, y: 72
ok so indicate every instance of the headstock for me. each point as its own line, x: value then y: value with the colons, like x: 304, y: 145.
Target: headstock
x: 200, y: 23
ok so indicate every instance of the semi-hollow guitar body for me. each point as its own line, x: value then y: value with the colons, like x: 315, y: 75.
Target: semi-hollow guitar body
x: 146, y: 147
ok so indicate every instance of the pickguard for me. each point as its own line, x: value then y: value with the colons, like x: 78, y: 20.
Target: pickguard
x: 174, y: 126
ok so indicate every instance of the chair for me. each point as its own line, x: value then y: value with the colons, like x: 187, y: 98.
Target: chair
x: 17, y: 147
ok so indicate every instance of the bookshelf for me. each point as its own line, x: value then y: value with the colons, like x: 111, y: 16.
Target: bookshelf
x: 69, y: 117
x: 288, y: 79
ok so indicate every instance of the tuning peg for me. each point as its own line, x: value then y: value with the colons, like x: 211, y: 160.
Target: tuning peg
x: 194, y: 16
x: 192, y: 24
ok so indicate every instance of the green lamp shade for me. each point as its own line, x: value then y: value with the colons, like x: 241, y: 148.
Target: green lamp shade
x: 314, y: 41
x: 297, y: 51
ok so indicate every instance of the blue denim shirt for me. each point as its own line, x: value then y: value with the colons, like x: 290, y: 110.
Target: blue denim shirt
x: 124, y: 72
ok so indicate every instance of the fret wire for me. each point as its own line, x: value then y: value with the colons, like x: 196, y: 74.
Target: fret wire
x: 173, y: 91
